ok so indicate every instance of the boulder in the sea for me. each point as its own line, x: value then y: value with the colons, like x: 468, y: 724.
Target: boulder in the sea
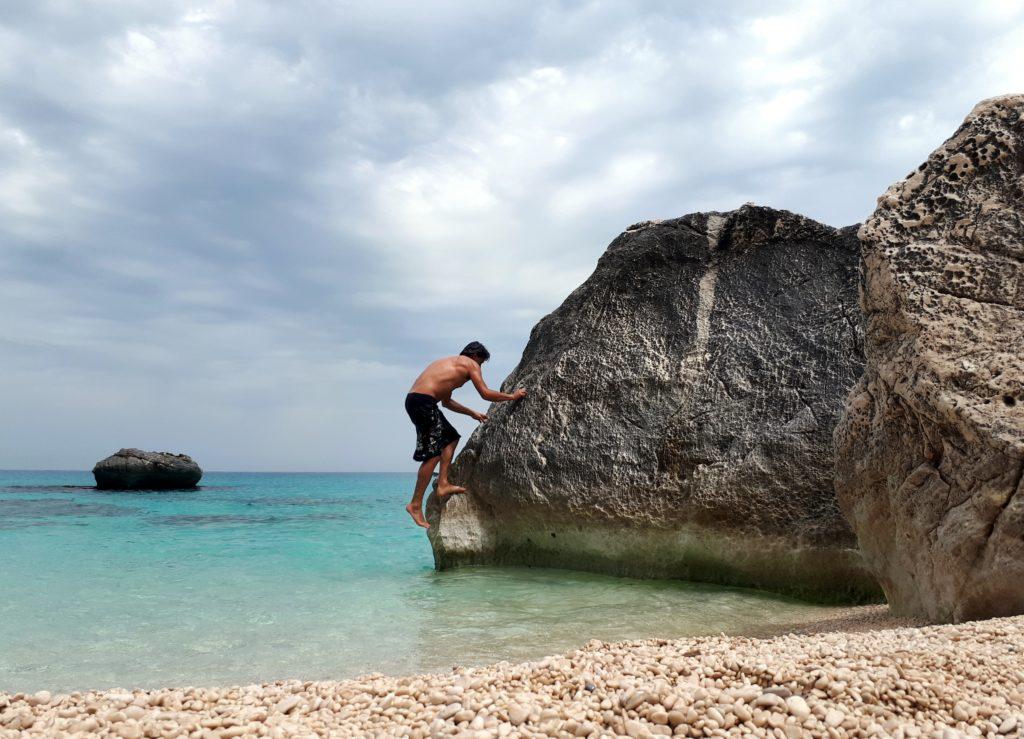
x: 930, y: 452
x: 134, y: 469
x: 680, y: 415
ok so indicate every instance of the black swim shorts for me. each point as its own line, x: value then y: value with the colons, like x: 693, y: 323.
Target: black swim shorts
x: 433, y: 432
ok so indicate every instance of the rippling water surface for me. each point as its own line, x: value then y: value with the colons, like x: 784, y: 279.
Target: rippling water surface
x: 258, y: 577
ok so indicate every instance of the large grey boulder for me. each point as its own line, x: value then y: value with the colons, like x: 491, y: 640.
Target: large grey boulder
x: 930, y: 452
x: 134, y: 469
x: 680, y: 415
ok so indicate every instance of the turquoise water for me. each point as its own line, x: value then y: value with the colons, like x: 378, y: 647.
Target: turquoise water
x: 258, y: 577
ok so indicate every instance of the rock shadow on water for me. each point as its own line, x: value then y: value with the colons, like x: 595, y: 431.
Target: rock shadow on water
x: 298, y: 502
x: 149, y: 491
x: 194, y: 520
x: 24, y: 489
x: 21, y: 512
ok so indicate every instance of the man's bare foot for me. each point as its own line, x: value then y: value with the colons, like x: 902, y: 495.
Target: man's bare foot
x: 417, y: 515
x: 446, y: 489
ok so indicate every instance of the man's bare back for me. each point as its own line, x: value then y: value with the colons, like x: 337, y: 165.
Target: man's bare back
x: 444, y: 375
x: 436, y: 439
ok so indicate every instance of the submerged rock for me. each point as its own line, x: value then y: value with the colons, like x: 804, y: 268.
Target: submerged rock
x: 133, y: 469
x: 930, y: 452
x: 680, y: 416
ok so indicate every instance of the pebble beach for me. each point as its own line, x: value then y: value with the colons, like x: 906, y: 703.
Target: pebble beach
x: 850, y: 676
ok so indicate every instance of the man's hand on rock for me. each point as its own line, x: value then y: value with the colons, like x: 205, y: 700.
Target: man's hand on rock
x: 481, y: 417
x: 520, y: 393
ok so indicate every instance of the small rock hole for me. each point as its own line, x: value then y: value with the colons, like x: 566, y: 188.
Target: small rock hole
x: 1009, y: 400
x: 552, y: 534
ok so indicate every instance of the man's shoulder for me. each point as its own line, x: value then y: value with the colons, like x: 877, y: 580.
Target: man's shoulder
x: 450, y: 360
x: 447, y: 363
x: 463, y: 363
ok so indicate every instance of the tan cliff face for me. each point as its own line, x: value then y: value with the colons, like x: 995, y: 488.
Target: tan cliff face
x: 680, y: 417
x: 930, y: 452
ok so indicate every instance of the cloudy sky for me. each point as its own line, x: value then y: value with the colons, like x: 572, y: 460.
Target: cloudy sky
x: 238, y: 228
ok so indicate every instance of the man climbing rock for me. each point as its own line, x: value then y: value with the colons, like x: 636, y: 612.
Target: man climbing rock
x: 436, y: 439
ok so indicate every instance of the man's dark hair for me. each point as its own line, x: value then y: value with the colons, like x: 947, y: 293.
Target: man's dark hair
x: 476, y: 350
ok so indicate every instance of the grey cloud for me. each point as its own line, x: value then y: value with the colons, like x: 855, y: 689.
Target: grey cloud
x: 238, y: 228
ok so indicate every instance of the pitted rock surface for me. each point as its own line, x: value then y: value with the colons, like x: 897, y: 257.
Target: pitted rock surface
x: 680, y: 416
x: 930, y: 452
x: 134, y: 469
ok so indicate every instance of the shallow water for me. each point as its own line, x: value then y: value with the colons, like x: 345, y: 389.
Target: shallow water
x: 258, y: 577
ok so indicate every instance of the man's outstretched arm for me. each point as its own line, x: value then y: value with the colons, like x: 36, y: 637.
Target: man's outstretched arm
x: 457, y: 407
x: 485, y: 392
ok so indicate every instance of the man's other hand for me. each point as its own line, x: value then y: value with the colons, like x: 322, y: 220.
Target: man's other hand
x: 480, y: 417
x: 520, y: 393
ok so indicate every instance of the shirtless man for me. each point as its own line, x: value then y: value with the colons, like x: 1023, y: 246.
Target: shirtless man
x: 436, y: 439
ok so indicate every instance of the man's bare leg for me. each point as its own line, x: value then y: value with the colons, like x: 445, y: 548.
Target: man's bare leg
x: 415, y: 506
x: 445, y: 488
